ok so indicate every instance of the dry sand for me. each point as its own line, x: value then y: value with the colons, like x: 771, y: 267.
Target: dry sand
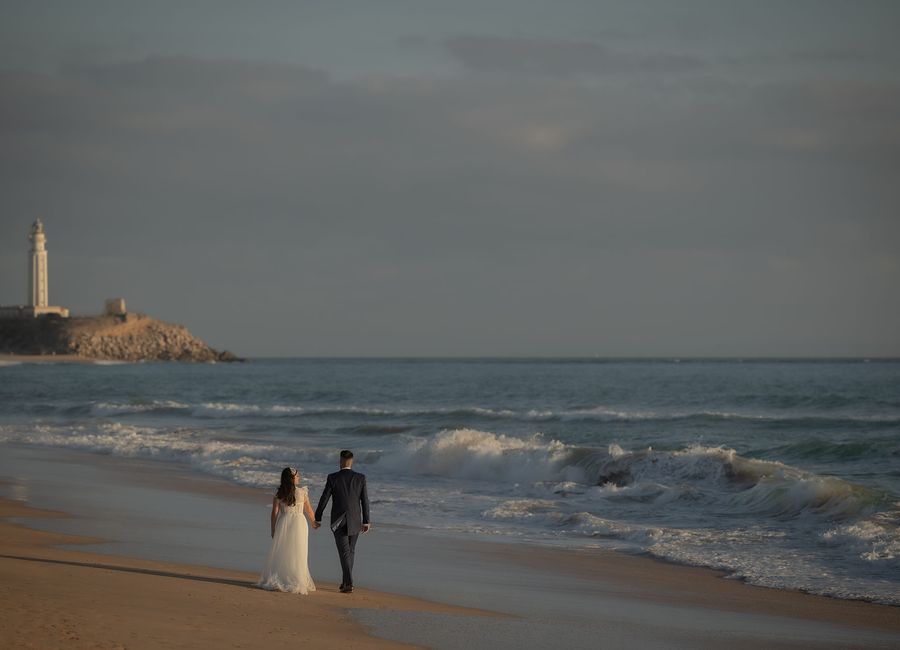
x: 56, y: 598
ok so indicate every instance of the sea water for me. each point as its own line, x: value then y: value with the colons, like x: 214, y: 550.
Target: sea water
x: 784, y: 473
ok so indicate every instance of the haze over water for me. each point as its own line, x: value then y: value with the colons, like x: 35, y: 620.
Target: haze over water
x: 786, y: 473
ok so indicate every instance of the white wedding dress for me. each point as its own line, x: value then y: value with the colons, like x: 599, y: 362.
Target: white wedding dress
x: 287, y: 566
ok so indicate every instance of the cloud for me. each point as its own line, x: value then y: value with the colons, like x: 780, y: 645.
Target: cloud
x: 842, y: 122
x: 819, y: 57
x: 558, y: 58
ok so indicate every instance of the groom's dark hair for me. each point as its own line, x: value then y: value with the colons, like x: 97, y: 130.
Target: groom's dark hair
x: 346, y: 454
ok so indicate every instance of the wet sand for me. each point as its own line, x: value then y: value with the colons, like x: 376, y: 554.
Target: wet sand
x: 54, y: 598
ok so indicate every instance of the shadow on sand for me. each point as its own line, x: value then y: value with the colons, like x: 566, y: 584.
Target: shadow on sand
x: 126, y: 569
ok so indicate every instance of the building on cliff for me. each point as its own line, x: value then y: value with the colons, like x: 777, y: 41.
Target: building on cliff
x: 116, y: 307
x: 38, y: 281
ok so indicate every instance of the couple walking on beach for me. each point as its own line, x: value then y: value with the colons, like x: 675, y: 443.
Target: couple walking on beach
x: 287, y: 567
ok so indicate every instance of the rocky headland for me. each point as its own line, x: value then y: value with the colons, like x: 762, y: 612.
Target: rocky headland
x: 126, y: 337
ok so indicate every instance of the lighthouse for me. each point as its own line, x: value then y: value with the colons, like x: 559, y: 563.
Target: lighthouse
x: 38, y: 303
x: 37, y: 266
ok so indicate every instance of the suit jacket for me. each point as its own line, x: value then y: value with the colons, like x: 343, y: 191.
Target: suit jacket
x: 347, y: 491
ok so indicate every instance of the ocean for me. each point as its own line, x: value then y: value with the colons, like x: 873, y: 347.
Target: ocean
x: 784, y: 473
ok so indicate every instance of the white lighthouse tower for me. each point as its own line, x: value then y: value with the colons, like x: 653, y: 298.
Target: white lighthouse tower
x: 37, y: 267
x: 38, y: 294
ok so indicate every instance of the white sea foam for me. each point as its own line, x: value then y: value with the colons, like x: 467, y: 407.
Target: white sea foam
x: 748, y: 485
x: 286, y: 410
x: 580, y: 524
x: 520, y: 509
x: 587, y: 524
x: 215, y: 410
x: 104, y: 409
x: 876, y: 539
x: 241, y: 462
x: 482, y: 455
x: 608, y: 414
x: 769, y: 558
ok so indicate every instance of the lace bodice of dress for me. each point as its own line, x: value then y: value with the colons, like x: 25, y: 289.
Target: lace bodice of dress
x: 299, y: 497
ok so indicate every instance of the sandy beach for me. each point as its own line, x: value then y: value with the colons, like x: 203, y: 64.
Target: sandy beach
x: 84, y: 591
x: 55, y: 598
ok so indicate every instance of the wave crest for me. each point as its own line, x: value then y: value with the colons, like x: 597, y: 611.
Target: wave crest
x: 482, y: 455
x: 105, y: 409
x: 722, y: 475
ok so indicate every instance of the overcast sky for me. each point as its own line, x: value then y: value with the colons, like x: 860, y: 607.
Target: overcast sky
x: 463, y: 178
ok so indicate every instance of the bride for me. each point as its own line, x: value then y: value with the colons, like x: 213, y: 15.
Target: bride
x: 286, y: 566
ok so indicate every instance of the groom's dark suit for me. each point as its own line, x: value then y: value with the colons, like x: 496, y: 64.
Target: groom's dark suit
x: 349, y: 512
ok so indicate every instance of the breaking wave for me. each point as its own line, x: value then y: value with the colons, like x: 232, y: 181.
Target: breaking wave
x: 715, y: 477
x: 876, y: 538
x: 481, y: 455
x: 105, y: 409
x: 720, y: 475
x: 698, y: 474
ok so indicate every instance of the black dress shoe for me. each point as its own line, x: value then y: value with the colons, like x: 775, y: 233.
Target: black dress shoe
x: 346, y: 589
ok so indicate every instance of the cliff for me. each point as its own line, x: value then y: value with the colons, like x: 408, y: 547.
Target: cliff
x: 131, y: 337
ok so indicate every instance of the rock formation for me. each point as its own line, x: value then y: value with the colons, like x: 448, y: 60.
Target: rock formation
x: 130, y: 337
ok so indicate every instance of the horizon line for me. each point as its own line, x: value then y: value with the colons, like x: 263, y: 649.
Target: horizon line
x: 514, y: 357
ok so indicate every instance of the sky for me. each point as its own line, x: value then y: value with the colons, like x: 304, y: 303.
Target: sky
x: 491, y: 178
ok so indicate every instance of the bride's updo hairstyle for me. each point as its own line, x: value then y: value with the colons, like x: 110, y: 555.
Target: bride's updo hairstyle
x: 286, y: 489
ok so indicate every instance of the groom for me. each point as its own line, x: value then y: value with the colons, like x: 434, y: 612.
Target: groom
x: 349, y: 513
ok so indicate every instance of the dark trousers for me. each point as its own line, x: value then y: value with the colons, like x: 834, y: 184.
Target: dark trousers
x: 346, y: 548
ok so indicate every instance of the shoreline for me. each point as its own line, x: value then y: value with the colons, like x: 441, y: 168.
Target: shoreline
x: 45, y: 358
x: 548, y: 591
x: 664, y: 581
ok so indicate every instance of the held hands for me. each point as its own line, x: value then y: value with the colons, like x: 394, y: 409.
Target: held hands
x: 317, y: 524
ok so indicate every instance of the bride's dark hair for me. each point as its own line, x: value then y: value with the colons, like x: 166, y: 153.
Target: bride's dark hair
x: 286, y: 489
